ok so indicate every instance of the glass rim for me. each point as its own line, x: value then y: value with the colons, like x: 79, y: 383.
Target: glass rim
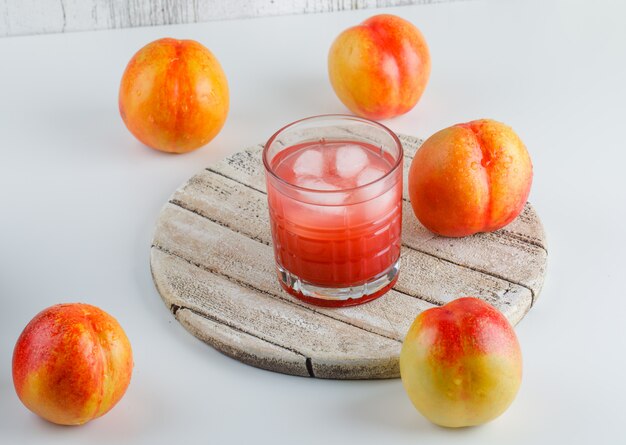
x: 384, y: 128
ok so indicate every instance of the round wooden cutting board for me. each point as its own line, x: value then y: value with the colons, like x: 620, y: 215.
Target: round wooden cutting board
x: 213, y: 264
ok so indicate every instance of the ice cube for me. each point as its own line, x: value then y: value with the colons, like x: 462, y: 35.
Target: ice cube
x: 350, y: 160
x: 368, y: 178
x: 313, y: 183
x: 319, y: 184
x: 309, y: 163
x: 381, y: 206
x: 369, y: 175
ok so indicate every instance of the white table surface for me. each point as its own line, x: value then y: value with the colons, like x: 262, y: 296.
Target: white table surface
x: 80, y: 195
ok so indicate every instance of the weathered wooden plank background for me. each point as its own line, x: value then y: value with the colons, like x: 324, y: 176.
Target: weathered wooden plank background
x: 19, y: 17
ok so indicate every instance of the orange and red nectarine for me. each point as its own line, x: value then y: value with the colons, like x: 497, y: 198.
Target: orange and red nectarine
x: 174, y: 95
x: 72, y: 363
x: 470, y: 178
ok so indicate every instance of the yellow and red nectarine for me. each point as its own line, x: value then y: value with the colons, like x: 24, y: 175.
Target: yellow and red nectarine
x: 461, y: 363
x: 379, y: 69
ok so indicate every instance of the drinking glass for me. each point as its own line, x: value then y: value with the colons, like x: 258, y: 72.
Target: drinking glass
x: 334, y: 189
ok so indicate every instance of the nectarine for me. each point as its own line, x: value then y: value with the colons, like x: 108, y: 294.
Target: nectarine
x: 72, y: 363
x: 461, y: 363
x: 470, y: 178
x: 379, y: 69
x: 174, y: 95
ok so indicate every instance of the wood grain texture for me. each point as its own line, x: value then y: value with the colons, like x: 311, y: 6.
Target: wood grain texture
x: 213, y: 264
x: 20, y: 17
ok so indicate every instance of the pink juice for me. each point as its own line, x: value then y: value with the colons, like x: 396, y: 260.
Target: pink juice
x: 340, y: 225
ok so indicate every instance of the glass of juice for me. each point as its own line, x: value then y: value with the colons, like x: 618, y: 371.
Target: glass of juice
x: 334, y: 189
